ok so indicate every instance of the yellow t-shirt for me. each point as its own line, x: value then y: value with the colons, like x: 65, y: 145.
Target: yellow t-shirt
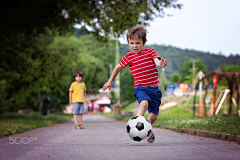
x: 77, y: 91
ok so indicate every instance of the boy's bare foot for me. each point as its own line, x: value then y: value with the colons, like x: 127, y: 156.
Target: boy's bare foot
x: 151, y: 138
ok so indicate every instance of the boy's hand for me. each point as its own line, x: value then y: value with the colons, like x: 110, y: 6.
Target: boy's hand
x: 163, y: 62
x: 107, y: 85
x: 70, y: 102
x: 160, y: 63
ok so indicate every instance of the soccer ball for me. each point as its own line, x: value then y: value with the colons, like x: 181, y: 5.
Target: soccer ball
x: 138, y: 128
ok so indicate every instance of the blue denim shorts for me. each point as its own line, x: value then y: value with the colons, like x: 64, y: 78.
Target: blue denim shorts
x: 152, y: 94
x: 78, y: 108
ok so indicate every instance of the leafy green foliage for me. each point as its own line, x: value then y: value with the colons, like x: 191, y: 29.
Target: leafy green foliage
x: 35, y: 59
x: 228, y: 68
x: 26, y: 19
x: 186, y: 70
x: 113, y: 97
x: 26, y: 80
x: 163, y: 81
x: 31, y: 17
x: 104, y: 52
x: 4, y: 98
x: 127, y: 86
x: 48, y: 70
x: 175, y: 78
x: 231, y: 68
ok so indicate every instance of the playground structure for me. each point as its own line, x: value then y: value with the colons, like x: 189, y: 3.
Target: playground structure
x: 194, y: 91
x: 233, y: 79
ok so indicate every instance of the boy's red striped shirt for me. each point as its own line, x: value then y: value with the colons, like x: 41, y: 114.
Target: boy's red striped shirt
x: 142, y: 66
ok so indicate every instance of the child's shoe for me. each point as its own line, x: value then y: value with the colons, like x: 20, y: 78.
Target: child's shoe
x: 151, y: 138
x: 81, y: 126
x: 77, y: 127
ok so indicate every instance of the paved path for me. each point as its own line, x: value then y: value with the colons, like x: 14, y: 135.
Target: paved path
x: 106, y: 139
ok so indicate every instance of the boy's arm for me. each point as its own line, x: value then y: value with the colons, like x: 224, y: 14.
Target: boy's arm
x: 70, y: 97
x: 160, y: 63
x: 85, y: 95
x: 116, y: 70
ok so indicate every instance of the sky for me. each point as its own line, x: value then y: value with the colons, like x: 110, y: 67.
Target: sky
x: 204, y: 25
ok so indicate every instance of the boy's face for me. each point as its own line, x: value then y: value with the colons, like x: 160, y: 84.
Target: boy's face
x: 136, y: 44
x: 78, y: 78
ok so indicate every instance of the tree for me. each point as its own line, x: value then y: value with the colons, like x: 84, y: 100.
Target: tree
x: 164, y: 82
x: 104, y: 51
x: 127, y: 86
x: 4, y: 98
x: 175, y: 78
x: 24, y: 20
x: 50, y: 74
x: 29, y: 18
x: 113, y: 97
x: 186, y: 70
x: 228, y: 68
x: 30, y: 52
x: 231, y: 68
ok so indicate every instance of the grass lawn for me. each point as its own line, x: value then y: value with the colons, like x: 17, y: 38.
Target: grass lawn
x: 12, y: 123
x: 177, y: 117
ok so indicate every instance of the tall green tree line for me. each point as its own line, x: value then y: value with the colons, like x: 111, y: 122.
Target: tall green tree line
x: 51, y: 73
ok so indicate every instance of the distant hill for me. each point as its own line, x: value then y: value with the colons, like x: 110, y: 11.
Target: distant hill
x: 176, y: 57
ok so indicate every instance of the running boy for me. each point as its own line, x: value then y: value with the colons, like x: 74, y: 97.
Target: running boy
x: 142, y: 63
x: 76, y: 92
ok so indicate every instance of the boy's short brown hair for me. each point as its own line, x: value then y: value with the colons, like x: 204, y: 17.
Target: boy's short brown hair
x: 77, y: 73
x: 140, y: 31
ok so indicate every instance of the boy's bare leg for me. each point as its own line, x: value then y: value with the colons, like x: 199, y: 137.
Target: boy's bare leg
x: 80, y: 119
x: 152, y: 117
x: 75, y: 119
x: 80, y: 122
x: 142, y: 107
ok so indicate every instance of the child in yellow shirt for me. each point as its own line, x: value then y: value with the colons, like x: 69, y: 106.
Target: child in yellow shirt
x: 77, y: 92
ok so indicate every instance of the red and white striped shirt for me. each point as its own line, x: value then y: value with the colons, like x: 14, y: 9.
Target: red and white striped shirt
x: 142, y: 66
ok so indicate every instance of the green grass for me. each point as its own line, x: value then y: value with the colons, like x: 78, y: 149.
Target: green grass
x: 177, y: 117
x: 215, y: 124
x: 12, y: 123
x: 174, y: 111
x: 131, y: 106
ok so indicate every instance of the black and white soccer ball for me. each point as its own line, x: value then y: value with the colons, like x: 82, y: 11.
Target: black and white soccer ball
x: 138, y: 128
